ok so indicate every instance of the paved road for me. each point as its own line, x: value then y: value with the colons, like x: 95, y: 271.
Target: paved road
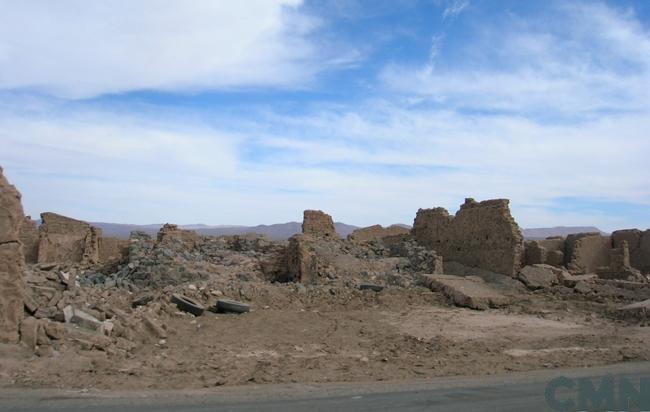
x: 514, y: 392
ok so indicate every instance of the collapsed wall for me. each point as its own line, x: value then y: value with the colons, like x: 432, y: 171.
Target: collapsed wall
x: 63, y: 239
x: 376, y: 232
x: 481, y: 234
x: 639, y: 247
x: 11, y: 262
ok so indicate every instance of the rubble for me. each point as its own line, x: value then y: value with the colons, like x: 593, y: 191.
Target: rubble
x: 11, y: 262
x: 481, y: 234
x: 122, y: 312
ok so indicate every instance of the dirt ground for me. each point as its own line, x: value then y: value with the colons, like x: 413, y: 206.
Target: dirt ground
x: 337, y: 334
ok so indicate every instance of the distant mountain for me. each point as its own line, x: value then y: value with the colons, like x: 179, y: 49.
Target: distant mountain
x: 544, y: 232
x: 280, y: 231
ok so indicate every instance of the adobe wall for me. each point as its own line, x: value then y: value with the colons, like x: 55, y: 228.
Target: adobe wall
x: 376, y: 232
x: 318, y: 223
x: 587, y: 252
x: 62, y: 239
x: 639, y: 245
x: 11, y: 262
x: 548, y: 251
x: 481, y: 234
x: 170, y: 232
x: 29, y: 238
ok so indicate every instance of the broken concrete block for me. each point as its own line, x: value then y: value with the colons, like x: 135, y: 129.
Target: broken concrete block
x: 467, y: 291
x: 81, y: 318
x: 538, y: 276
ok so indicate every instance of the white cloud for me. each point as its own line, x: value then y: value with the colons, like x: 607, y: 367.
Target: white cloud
x: 582, y: 59
x: 86, y: 48
x: 377, y: 163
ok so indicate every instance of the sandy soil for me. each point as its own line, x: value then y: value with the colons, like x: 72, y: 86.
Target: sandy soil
x: 332, y: 334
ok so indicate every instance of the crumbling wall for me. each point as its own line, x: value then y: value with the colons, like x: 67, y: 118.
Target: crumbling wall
x: 62, y: 239
x: 481, y: 234
x: 376, y: 232
x: 11, y: 262
x: 587, y: 252
x: 29, y: 238
x: 639, y: 246
x: 169, y: 233
x: 318, y: 223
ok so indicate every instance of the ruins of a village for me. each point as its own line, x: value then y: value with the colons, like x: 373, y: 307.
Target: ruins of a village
x: 455, y: 294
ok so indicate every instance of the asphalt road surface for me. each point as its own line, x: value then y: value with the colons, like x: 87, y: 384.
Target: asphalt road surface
x: 513, y: 392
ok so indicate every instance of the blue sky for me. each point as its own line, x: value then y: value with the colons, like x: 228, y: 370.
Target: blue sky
x: 226, y: 112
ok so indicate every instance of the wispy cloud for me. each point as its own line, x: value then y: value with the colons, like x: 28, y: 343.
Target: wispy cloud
x: 82, y: 49
x: 454, y: 8
x: 589, y: 59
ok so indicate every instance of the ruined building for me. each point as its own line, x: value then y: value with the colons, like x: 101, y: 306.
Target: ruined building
x: 11, y: 262
x: 481, y: 234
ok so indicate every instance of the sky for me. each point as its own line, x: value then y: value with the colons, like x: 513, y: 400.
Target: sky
x: 248, y: 112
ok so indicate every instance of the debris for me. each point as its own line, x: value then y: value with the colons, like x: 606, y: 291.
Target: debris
x: 81, y: 318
